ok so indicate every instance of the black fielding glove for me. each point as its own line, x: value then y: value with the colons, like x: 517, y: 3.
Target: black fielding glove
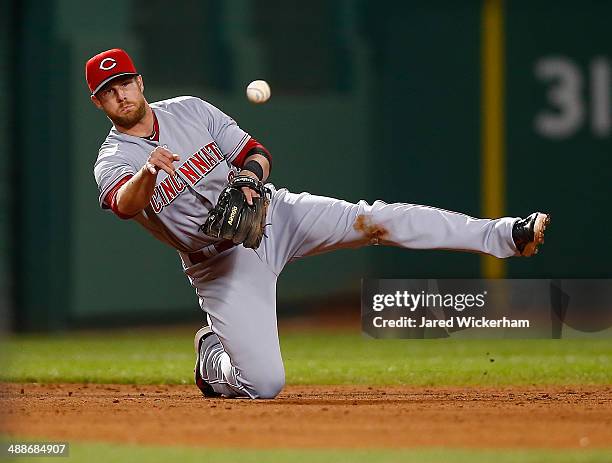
x: 233, y: 219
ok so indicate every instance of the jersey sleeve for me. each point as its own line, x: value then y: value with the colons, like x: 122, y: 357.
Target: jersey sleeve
x: 110, y: 169
x: 224, y: 130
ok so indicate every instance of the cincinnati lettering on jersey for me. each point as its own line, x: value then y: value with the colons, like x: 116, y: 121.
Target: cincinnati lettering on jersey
x: 191, y: 171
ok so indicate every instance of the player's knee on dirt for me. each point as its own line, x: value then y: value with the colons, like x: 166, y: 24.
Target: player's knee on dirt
x: 265, y: 383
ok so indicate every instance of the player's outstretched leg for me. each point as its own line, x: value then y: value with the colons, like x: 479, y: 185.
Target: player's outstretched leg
x: 305, y: 224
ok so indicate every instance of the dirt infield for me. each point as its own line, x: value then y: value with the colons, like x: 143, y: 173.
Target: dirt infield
x: 317, y: 416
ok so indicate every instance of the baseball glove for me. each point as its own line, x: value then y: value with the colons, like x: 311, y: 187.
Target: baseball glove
x: 233, y: 219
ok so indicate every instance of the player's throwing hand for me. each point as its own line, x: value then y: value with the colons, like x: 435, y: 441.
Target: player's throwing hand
x: 161, y: 159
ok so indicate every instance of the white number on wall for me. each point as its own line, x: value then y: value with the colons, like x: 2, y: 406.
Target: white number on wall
x: 567, y: 106
x: 600, y: 96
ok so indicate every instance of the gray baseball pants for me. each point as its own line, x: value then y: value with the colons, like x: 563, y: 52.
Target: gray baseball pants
x: 237, y: 288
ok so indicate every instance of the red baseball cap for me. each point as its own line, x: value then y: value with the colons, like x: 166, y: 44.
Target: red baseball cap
x: 106, y: 66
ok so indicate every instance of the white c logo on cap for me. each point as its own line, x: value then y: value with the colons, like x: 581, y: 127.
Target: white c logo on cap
x: 109, y: 67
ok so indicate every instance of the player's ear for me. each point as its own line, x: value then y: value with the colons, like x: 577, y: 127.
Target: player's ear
x: 140, y: 83
x: 96, y: 102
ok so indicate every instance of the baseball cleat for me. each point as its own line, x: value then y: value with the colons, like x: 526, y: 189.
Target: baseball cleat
x: 206, y: 388
x: 528, y: 233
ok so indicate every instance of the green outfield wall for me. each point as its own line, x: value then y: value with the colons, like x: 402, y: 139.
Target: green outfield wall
x: 6, y: 276
x: 370, y: 100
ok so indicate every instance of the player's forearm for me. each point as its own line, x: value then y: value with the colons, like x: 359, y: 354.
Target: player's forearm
x: 136, y: 193
x: 262, y: 161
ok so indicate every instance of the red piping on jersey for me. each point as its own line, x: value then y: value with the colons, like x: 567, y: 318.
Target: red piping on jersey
x: 110, y: 201
x: 155, y: 135
x: 249, y: 145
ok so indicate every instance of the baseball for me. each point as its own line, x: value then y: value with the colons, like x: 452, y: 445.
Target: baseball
x: 258, y: 91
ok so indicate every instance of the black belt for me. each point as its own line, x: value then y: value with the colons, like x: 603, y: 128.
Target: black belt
x: 200, y: 256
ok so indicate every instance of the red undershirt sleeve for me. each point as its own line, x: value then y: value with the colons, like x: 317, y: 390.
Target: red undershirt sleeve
x: 248, y: 146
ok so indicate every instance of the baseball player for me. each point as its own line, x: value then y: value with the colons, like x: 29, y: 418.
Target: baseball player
x: 193, y: 178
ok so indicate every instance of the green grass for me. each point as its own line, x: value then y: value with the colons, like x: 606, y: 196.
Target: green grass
x: 100, y: 452
x: 313, y: 358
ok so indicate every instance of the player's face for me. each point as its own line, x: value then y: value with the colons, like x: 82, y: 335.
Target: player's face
x: 122, y: 100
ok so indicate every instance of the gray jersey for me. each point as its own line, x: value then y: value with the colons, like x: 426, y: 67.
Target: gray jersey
x: 206, y: 139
